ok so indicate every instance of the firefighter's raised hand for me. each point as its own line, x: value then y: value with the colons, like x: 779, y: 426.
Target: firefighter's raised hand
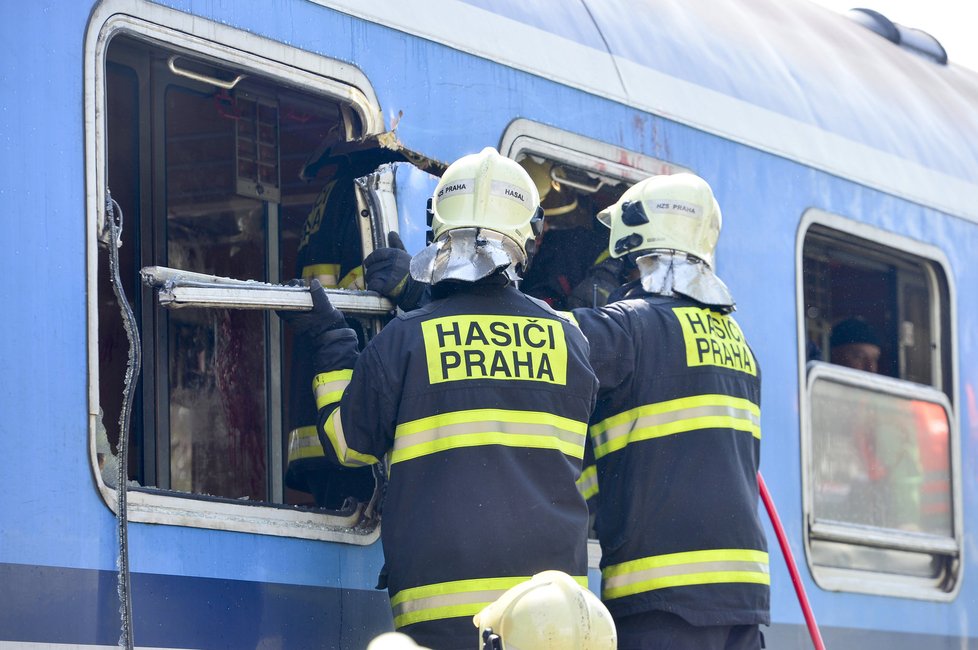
x: 322, y: 318
x: 388, y: 272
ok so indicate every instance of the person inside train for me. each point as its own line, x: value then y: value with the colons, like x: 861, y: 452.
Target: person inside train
x: 481, y: 399
x: 854, y: 344
x: 887, y: 443
x: 330, y: 251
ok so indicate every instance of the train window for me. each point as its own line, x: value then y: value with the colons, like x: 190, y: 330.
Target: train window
x: 577, y: 177
x: 877, y: 417
x: 229, y: 165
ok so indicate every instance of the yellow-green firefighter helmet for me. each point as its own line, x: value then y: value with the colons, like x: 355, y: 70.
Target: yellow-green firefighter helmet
x: 668, y: 212
x: 550, y: 611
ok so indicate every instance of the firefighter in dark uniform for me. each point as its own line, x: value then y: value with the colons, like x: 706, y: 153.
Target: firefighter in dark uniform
x: 329, y: 251
x: 478, y: 403
x: 676, y: 432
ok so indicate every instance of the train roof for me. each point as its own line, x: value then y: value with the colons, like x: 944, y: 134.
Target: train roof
x: 790, y: 78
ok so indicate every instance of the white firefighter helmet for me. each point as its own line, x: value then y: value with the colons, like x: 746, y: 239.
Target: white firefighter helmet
x: 550, y: 611
x: 394, y: 641
x: 674, y: 222
x: 484, y: 213
x: 668, y: 212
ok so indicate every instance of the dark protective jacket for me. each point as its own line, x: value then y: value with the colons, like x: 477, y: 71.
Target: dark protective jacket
x: 573, y: 269
x: 330, y: 251
x: 676, y: 438
x: 481, y: 398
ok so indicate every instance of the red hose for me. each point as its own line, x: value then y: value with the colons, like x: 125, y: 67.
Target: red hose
x: 789, y: 559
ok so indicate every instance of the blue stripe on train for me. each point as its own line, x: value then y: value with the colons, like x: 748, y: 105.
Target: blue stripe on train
x: 80, y: 606
x: 43, y: 604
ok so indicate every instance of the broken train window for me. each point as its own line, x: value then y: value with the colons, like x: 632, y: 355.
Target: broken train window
x: 228, y: 173
x: 577, y: 177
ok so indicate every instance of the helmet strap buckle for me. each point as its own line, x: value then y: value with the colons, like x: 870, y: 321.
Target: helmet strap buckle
x: 633, y: 213
x: 491, y: 640
x: 626, y: 244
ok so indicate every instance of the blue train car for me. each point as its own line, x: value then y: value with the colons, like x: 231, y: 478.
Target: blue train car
x: 200, y: 136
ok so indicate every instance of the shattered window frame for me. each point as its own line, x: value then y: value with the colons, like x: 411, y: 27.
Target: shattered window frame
x: 293, y: 71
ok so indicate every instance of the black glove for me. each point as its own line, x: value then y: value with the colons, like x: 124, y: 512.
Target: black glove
x: 323, y: 317
x: 388, y: 272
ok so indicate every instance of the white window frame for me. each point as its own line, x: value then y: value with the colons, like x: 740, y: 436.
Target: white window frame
x: 865, y: 537
x: 523, y: 136
x: 244, y: 51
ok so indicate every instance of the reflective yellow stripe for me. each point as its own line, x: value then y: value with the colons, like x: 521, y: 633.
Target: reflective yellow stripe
x: 347, y: 456
x: 353, y: 279
x: 304, y: 443
x: 325, y: 273
x: 452, y: 599
x: 675, y: 416
x: 329, y: 386
x: 587, y: 484
x: 477, y: 427
x: 683, y: 569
